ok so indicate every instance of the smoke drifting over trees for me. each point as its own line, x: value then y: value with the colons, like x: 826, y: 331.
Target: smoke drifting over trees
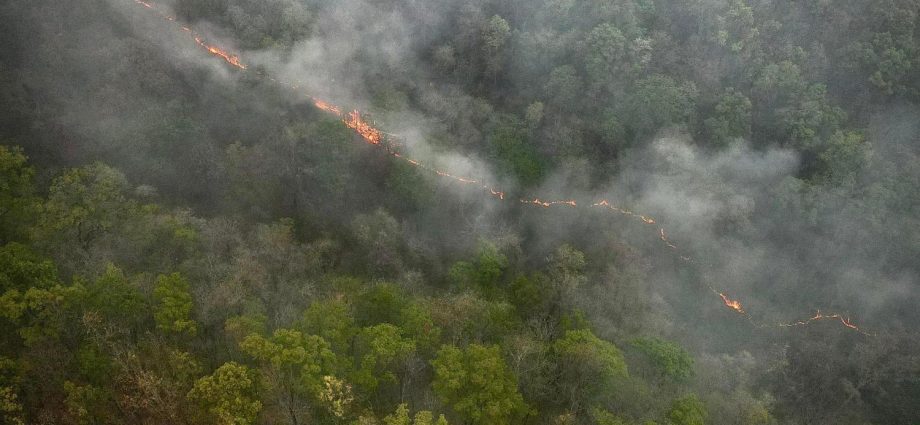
x: 183, y: 241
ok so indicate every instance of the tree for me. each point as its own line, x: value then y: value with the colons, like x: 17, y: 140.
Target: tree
x: 563, y: 86
x: 115, y: 298
x: 667, y: 357
x: 510, y: 147
x: 21, y: 269
x: 846, y: 156
x: 566, y: 271
x: 17, y: 203
x: 174, y: 305
x: 83, y: 204
x: 494, y: 36
x: 887, y: 60
x: 611, y: 58
x: 294, y: 366
x: 381, y: 303
x: 658, y: 101
x: 378, y: 235
x: 534, y: 114
x: 737, y: 27
x: 333, y: 321
x: 588, y: 367
x: 382, y: 354
x: 422, y: 417
x: 10, y: 407
x: 687, y: 410
x: 229, y: 394
x: 476, y: 383
x: 731, y: 118
x: 603, y: 417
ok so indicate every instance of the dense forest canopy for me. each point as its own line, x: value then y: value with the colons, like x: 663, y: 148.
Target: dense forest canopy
x: 730, y: 231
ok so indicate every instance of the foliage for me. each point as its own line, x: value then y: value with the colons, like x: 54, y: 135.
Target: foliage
x: 17, y: 200
x: 669, y: 358
x: 175, y: 304
x: 687, y: 410
x: 229, y: 394
x: 476, y: 383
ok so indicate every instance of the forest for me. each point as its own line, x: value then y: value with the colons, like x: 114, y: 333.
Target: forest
x: 470, y: 212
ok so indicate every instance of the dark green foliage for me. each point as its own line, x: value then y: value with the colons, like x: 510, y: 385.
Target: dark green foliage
x: 476, y: 383
x: 514, y: 152
x: 687, y: 410
x: 668, y: 358
x: 17, y: 203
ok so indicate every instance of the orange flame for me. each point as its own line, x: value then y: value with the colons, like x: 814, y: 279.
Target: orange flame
x: 231, y: 59
x: 732, y: 304
x: 327, y: 107
x: 366, y: 131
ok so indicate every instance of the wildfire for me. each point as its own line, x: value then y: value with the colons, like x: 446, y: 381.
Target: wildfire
x: 665, y: 239
x: 327, y: 107
x: 606, y: 204
x: 547, y: 204
x: 231, y: 59
x: 845, y: 321
x: 732, y: 304
x: 374, y: 136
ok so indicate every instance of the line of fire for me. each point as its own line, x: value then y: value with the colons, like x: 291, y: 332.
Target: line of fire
x: 374, y: 136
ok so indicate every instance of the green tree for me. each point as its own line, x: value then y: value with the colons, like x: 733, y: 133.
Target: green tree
x: 382, y: 353
x: 422, y: 417
x: 381, y: 303
x: 667, y: 357
x: 846, y: 156
x: 230, y: 394
x: 333, y: 321
x: 174, y: 305
x: 563, y: 86
x: 737, y: 30
x: 297, y: 360
x: 511, y: 149
x: 687, y: 410
x: 731, y: 118
x: 84, y: 204
x: 566, y: 271
x: 605, y: 54
x: 489, y: 268
x: 888, y: 60
x: 11, y: 411
x: 476, y: 383
x: 21, y: 269
x: 17, y: 203
x: 588, y: 367
x: 495, y: 34
x: 378, y: 235
x: 658, y: 101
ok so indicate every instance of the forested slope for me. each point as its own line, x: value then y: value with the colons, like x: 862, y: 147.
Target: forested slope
x: 184, y: 242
